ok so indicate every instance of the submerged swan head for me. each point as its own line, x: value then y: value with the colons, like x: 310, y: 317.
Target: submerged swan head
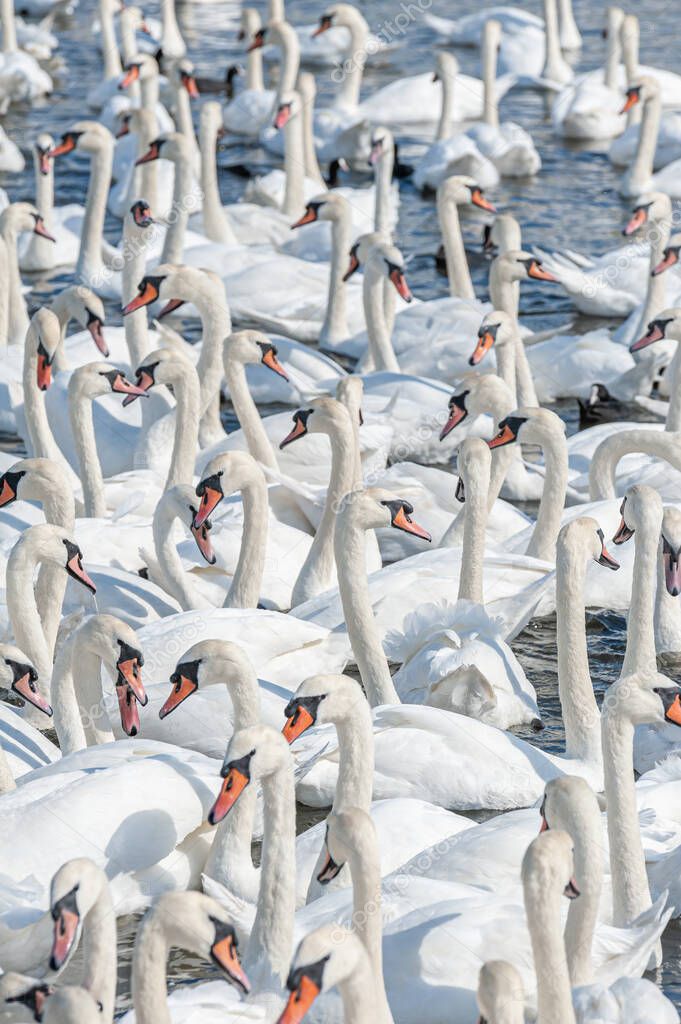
x: 325, y: 958
x: 254, y: 754
x: 501, y: 996
x: 321, y: 699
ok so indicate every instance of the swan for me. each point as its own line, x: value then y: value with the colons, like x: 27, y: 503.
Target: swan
x: 467, y: 31
x: 14, y: 219
x: 252, y: 106
x: 22, y: 79
x: 508, y: 146
x: 640, y: 177
x: 25, y: 748
x: 11, y: 158
x: 667, y: 623
x: 452, y: 153
x: 36, y: 252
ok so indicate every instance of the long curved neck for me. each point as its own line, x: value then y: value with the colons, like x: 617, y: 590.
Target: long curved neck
x: 271, y: 940
x: 575, y: 690
x: 177, y: 582
x: 230, y: 851
x: 630, y: 891
x: 583, y: 912
x: 294, y: 166
x: 249, y: 418
x: 380, y: 342
x: 444, y: 126
x: 23, y: 612
x: 172, y: 42
x: 383, y: 176
x: 366, y: 903
x: 244, y: 591
x: 642, y: 168
x: 9, y: 32
x: 554, y: 64
x: 216, y: 322
x: 667, y: 612
x: 312, y: 169
x: 5, y: 296
x: 614, y: 54
x: 353, y: 585
x: 216, y: 224
x: 173, y: 243
x: 475, y: 521
x: 82, y: 426
x: 640, y: 655
x: 18, y: 314
x: 656, y: 291
x: 348, y: 94
x: 40, y: 434
x: 506, y: 368
x: 356, y: 759
x: 543, y: 541
x: 503, y: 293
x: 254, y: 79
x: 359, y: 993
x: 603, y: 465
x: 316, y: 574
x: 186, y: 440
x: 673, y: 421
x: 460, y: 284
x: 630, y: 46
x: 112, y: 60
x: 335, y: 326
x: 524, y: 381
x: 554, y: 995
x: 39, y: 247
x: 149, y: 982
x: 99, y: 952
x: 90, y: 254
x: 490, y: 114
x: 135, y: 324
x: 183, y: 120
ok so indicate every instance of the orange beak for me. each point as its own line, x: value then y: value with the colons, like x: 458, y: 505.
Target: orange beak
x: 131, y: 75
x: 95, y: 328
x: 63, y: 939
x: 127, y: 706
x: 299, y: 1002
x: 170, y: 307
x: 456, y: 415
x: 123, y: 386
x: 77, y: 572
x: 145, y: 381
x: 401, y: 521
x: 401, y: 286
x: 145, y: 298
x: 297, y: 724
x: 482, y: 348
x: 131, y: 670
x: 505, y: 436
x: 44, y: 371
x: 202, y: 538
x: 299, y: 430
x: 673, y: 712
x: 623, y: 533
x: 225, y: 956
x: 41, y: 230
x: 67, y: 145
x: 182, y: 689
x: 539, y: 274
x: 153, y: 153
x: 638, y: 219
x: 210, y: 499
x: 478, y: 199
x: 189, y: 82
x: 233, y: 786
x: 44, y: 163
x: 27, y: 689
x: 309, y: 217
x: 655, y: 334
x: 631, y: 101
x: 323, y: 26
x: 352, y: 267
x: 7, y: 495
x: 671, y: 257
x: 282, y: 116
x: 270, y: 360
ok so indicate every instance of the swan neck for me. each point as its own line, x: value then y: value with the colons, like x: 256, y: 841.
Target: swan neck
x: 149, y: 964
x: 216, y: 322
x: 82, y: 426
x: 254, y: 77
x: 335, y: 326
x: 460, y: 284
x: 178, y: 582
x: 444, y: 127
x: 112, y: 60
x: 543, y: 542
x: 294, y: 166
x: 23, y: 612
x: 673, y: 421
x: 640, y: 654
x: 475, y: 523
x: 18, y: 314
x: 383, y: 176
x: 525, y: 389
x: 554, y: 995
x: 259, y: 444
x: 99, y: 952
x: 490, y: 113
x: 380, y: 343
x: 642, y: 167
x: 216, y: 224
x: 244, y: 591
x: 353, y: 67
x: 602, y: 470
x: 356, y: 760
x: 182, y: 188
x: 186, y: 441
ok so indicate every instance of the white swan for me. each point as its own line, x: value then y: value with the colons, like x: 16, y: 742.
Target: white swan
x: 65, y: 222
x: 640, y: 176
x: 21, y: 77
x: 251, y: 107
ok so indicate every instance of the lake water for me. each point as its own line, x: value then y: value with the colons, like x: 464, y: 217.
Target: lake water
x: 573, y: 202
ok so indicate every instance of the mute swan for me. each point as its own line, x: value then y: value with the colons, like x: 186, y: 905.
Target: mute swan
x: 11, y: 158
x: 667, y: 622
x: 38, y: 253
x: 467, y: 31
x: 14, y: 219
x: 251, y: 107
x: 25, y: 748
x: 22, y: 79
x: 640, y: 177
x: 71, y: 1006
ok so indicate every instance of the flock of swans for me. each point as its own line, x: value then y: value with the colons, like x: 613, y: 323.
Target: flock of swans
x: 182, y: 606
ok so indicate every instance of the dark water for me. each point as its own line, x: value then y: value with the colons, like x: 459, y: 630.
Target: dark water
x: 573, y: 202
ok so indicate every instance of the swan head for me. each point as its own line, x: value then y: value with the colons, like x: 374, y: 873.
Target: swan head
x: 501, y: 996
x: 162, y: 366
x: 641, y: 509
x: 138, y: 120
x: 325, y: 958
x: 181, y: 75
x: 649, y: 208
x: 176, y: 284
x: 463, y: 190
x: 81, y: 304
x: 329, y: 206
x: 501, y: 235
x: 382, y: 143
x: 547, y: 870
x: 252, y: 347
x: 173, y: 146
x: 18, y: 674
x: 666, y: 324
x: 18, y: 217
x: 250, y: 23
x: 340, y: 14
x: 211, y: 118
x: 254, y: 754
x: 492, y: 34
x: 640, y: 92
x: 321, y: 699
x: 474, y: 464
x: 179, y: 502
x: 75, y: 889
x: 45, y: 335
x: 670, y: 256
x: 86, y: 137
x: 290, y: 106
x: 570, y: 804
x: 325, y: 416
x: 47, y: 543
x: 29, y: 992
x: 671, y: 549
x: 226, y: 474
x: 350, y: 391
x: 374, y: 507
x: 518, y: 265
x: 446, y: 67
x: 42, y: 146
x: 116, y: 643
x: 95, y: 379
x: 207, y: 663
x: 386, y: 260
x: 530, y: 426
x: 141, y: 68
x: 199, y: 924
x: 497, y: 328
x: 583, y: 538
x: 350, y: 836
x: 644, y: 698
x: 360, y: 250
x: 478, y: 396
